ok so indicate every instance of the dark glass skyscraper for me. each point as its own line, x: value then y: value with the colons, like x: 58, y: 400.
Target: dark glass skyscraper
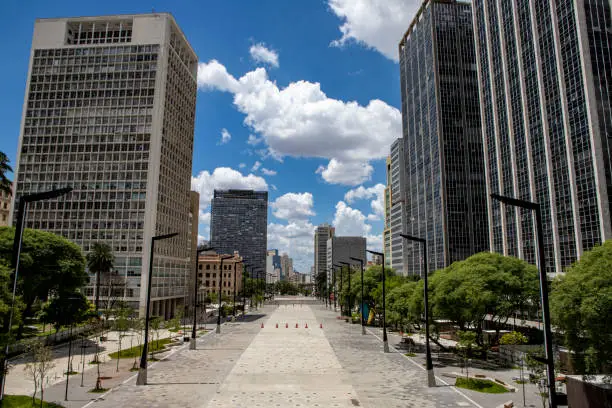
x: 545, y: 76
x: 445, y: 184
x: 239, y: 222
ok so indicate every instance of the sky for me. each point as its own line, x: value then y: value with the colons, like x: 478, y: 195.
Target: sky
x: 300, y: 98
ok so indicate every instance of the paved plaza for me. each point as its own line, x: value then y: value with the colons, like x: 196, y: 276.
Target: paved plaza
x: 250, y: 366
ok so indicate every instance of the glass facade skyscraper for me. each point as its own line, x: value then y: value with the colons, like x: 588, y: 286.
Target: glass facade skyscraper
x: 545, y: 75
x: 397, y: 210
x: 239, y: 222
x: 445, y: 184
x: 109, y: 110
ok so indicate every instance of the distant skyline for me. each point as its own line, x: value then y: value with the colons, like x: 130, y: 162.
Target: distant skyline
x: 298, y: 99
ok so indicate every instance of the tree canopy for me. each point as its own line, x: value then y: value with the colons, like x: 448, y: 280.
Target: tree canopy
x: 5, y: 183
x: 581, y: 306
x: 67, y: 309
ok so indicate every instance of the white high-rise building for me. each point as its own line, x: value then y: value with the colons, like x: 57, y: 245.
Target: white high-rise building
x: 109, y: 110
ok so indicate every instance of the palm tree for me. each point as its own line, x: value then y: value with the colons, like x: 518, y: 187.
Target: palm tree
x: 100, y: 260
x: 5, y: 184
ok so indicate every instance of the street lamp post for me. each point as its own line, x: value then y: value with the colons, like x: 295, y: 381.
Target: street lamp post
x: 431, y: 379
x: 384, y: 312
x: 142, y: 371
x: 341, y: 286
x: 244, y: 273
x: 192, y: 343
x: 348, y: 300
x: 234, y: 312
x: 17, y: 241
x: 362, y: 317
x: 223, y: 257
x: 334, y: 285
x: 550, y: 363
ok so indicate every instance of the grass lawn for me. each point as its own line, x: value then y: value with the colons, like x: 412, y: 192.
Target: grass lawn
x: 136, y: 351
x: 24, y: 401
x: 480, y: 385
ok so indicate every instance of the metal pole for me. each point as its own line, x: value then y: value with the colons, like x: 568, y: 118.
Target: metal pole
x: 219, y: 309
x: 244, y: 267
x: 192, y: 343
x: 334, y: 286
x: 545, y: 311
x: 142, y: 371
x: 341, y: 287
x: 385, y: 340
x: 82, y: 358
x: 431, y: 379
x: 69, y: 369
x: 363, y: 332
x: 234, y: 312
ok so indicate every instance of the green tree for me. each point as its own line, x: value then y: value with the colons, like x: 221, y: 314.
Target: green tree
x: 399, y: 305
x: 100, y: 261
x: 581, y: 306
x: 467, y: 340
x: 5, y: 184
x: 483, y: 284
x: 66, y: 309
x: 49, y: 265
x: 38, y: 370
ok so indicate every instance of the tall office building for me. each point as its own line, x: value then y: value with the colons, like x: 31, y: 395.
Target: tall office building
x: 286, y: 266
x: 109, y: 110
x: 273, y: 263
x: 239, y: 222
x: 445, y: 183
x: 341, y: 249
x: 387, y: 220
x: 322, y: 234
x: 545, y: 71
x: 397, y: 213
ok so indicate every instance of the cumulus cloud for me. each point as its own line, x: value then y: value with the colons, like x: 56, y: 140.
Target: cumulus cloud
x: 300, y: 120
x: 268, y: 172
x: 293, y: 206
x: 376, y: 24
x: 256, y: 166
x: 225, y: 136
x: 295, y: 238
x: 349, y: 221
x: 254, y: 140
x: 362, y: 193
x: 347, y: 173
x: 261, y: 53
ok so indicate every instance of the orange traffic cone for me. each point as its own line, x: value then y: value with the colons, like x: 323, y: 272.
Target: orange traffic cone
x: 296, y: 325
x: 306, y: 326
x: 262, y: 325
x: 277, y: 325
x: 286, y: 325
x: 321, y: 325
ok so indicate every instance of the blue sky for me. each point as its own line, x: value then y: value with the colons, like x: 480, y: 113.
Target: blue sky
x: 297, y: 97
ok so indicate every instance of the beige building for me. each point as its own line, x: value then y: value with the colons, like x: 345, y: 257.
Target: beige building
x: 209, y: 273
x: 109, y: 110
x: 5, y: 208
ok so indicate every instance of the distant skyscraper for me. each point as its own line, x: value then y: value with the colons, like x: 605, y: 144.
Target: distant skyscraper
x: 109, y: 110
x: 445, y: 183
x: 273, y: 263
x: 387, y: 220
x: 239, y: 222
x: 545, y: 71
x: 399, y: 246
x: 322, y: 234
x: 343, y: 248
x: 286, y: 266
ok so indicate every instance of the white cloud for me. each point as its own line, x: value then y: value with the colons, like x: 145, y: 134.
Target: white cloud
x: 268, y: 172
x: 261, y: 53
x: 300, y: 120
x: 256, y: 166
x: 296, y: 238
x: 225, y: 136
x: 273, y: 187
x: 242, y: 165
x: 376, y: 24
x: 351, y: 222
x: 348, y: 173
x: 362, y: 193
x: 293, y: 206
x: 254, y: 140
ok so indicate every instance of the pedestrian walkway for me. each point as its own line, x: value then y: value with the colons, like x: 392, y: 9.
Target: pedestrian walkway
x: 248, y: 365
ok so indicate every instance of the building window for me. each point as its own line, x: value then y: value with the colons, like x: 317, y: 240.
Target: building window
x: 207, y: 266
x: 208, y: 275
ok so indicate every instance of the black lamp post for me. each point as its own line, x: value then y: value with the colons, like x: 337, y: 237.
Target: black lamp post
x: 334, y: 285
x: 69, y: 369
x: 340, y: 295
x: 550, y: 363
x: 192, y: 344
x: 326, y: 290
x: 234, y: 312
x: 223, y: 257
x: 244, y: 274
x: 142, y: 371
x: 348, y: 300
x: 362, y: 317
x: 384, y: 312
x: 17, y: 241
x: 431, y: 379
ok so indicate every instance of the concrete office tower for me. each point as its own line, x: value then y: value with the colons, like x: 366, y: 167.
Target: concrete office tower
x: 109, y: 110
x: 273, y: 263
x: 545, y: 72
x: 445, y: 183
x: 343, y: 248
x: 286, y: 266
x: 322, y: 234
x: 239, y: 222
x: 399, y: 246
x: 387, y: 220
